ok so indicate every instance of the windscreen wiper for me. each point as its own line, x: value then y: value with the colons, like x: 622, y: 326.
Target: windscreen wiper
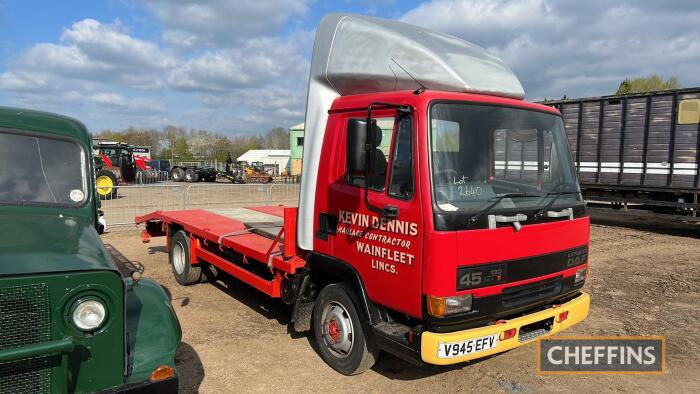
x: 555, y: 195
x: 483, y: 211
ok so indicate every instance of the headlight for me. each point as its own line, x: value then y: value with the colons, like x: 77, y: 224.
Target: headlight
x: 580, y: 275
x: 442, y: 306
x: 89, y: 315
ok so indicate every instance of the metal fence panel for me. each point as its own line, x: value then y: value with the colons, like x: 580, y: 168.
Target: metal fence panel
x: 132, y: 201
x: 212, y: 195
x: 284, y: 193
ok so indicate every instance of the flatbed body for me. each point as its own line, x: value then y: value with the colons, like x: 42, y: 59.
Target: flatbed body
x: 256, y: 233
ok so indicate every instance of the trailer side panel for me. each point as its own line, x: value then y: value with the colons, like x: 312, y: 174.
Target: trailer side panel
x: 635, y: 148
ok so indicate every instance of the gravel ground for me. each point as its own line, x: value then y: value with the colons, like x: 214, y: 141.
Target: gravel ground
x: 237, y: 340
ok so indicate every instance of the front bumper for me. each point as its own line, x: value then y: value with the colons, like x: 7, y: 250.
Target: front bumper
x: 430, y: 341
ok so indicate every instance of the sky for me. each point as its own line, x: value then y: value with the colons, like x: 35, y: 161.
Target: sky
x: 241, y: 67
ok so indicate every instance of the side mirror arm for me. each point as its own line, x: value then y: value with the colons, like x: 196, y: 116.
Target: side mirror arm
x: 388, y: 211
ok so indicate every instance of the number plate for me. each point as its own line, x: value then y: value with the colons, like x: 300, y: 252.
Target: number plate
x: 462, y: 348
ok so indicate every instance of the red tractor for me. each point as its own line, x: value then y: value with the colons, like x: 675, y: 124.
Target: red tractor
x: 115, y: 164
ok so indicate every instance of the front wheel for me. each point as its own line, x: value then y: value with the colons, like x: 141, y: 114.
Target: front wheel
x: 339, y: 333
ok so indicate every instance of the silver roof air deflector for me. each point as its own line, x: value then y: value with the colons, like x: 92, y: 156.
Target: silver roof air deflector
x: 356, y: 54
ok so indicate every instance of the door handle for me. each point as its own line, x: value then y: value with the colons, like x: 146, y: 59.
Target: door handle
x: 390, y: 211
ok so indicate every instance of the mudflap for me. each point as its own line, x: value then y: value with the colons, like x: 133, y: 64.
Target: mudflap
x: 301, y: 316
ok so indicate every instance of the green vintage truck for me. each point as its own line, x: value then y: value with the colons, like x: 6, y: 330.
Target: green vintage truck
x: 70, y: 320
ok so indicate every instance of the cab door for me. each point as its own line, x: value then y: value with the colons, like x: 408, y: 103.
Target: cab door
x: 386, y: 251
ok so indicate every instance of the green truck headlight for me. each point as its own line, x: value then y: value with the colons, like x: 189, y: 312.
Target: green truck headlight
x: 89, y: 315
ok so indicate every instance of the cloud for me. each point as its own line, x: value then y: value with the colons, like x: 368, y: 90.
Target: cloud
x: 120, y: 104
x: 248, y: 88
x: 83, y: 74
x: 259, y: 62
x: 575, y: 48
x: 189, y: 23
x: 112, y: 44
x: 248, y: 111
x: 98, y: 110
x: 90, y: 52
x: 102, y: 74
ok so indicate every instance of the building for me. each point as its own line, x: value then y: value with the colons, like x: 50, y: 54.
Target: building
x: 296, y: 146
x: 296, y: 142
x: 279, y: 158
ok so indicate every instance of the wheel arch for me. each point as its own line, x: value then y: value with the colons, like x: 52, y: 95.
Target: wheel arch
x: 326, y: 270
x: 149, y: 310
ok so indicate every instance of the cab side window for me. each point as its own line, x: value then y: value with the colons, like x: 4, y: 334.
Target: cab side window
x: 384, y: 130
x: 401, y: 179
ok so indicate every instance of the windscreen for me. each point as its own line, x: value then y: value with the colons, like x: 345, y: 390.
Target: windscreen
x: 40, y: 170
x: 481, y: 153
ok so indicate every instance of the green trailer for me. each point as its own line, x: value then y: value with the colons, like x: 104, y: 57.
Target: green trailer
x: 70, y: 320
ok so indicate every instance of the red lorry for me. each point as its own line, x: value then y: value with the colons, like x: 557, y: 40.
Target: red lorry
x: 466, y: 237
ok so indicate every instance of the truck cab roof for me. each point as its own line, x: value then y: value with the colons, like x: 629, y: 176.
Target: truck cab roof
x: 409, y: 97
x: 44, y: 122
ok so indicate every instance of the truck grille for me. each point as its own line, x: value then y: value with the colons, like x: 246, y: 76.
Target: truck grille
x: 531, y: 292
x: 25, y: 319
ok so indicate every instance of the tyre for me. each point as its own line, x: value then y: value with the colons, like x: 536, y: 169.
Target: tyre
x: 105, y: 180
x: 339, y: 333
x: 177, y: 174
x: 209, y: 273
x: 185, y: 273
x: 191, y: 176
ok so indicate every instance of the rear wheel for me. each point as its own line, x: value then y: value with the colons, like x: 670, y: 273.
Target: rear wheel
x: 185, y: 273
x: 191, y: 176
x: 339, y: 333
x: 105, y: 182
x: 177, y: 175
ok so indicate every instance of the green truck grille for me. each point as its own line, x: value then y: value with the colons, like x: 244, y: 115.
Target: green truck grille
x: 25, y: 319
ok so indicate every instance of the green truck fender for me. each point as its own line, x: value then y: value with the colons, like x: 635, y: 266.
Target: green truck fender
x: 153, y: 331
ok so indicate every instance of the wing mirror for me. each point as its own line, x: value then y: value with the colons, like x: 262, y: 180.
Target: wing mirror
x: 360, y: 149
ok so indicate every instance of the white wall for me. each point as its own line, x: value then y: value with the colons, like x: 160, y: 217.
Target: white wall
x: 280, y: 157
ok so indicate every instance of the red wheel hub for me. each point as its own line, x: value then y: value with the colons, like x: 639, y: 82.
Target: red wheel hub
x: 334, y: 330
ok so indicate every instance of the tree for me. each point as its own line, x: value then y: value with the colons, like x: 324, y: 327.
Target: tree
x: 182, y: 144
x: 277, y: 138
x: 181, y: 149
x: 651, y: 83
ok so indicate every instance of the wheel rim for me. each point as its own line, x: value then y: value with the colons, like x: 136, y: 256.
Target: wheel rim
x: 179, y: 258
x: 104, y: 185
x: 337, y: 330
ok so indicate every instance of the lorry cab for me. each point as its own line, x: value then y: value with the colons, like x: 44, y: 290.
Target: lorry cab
x: 70, y: 320
x: 472, y: 211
